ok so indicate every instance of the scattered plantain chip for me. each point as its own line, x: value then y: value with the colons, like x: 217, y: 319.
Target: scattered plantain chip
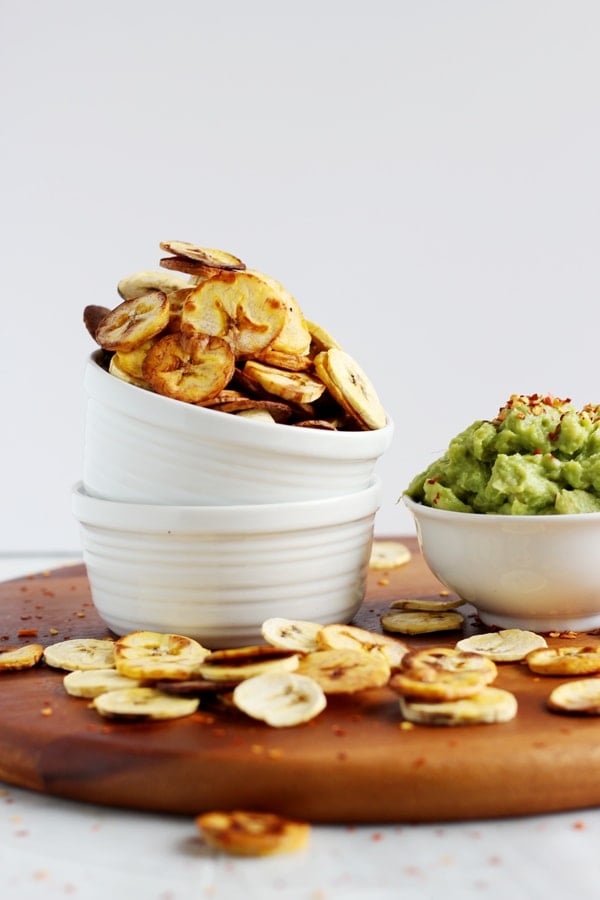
x: 15, y: 659
x: 506, y: 645
x: 485, y: 707
x: 246, y: 833
x: 422, y: 621
x: 389, y: 554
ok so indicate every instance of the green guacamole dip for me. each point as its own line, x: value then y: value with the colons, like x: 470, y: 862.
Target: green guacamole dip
x: 539, y: 456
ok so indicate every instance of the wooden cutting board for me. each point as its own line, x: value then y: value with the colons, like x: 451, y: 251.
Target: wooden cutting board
x: 354, y: 763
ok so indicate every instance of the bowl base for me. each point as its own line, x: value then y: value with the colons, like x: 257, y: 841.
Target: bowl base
x: 540, y: 624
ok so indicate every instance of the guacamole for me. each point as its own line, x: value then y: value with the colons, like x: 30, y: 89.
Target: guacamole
x: 538, y: 456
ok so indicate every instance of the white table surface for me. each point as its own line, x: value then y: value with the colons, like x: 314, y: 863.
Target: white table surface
x: 50, y: 848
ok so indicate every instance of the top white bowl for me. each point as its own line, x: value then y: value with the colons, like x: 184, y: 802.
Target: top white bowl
x: 141, y: 447
x: 535, y: 572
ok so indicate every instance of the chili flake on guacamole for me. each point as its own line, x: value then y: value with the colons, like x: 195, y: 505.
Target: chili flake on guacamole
x: 539, y: 456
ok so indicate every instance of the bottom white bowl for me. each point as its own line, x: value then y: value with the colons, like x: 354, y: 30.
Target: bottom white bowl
x: 216, y: 573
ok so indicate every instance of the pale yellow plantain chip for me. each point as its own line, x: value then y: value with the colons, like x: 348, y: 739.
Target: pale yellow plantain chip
x: 238, y: 307
x: 246, y: 662
x: 81, y: 653
x: 193, y: 368
x: 438, y: 660
x: 389, y: 554
x: 441, y: 673
x: 564, y: 660
x: 115, y: 368
x: 255, y: 413
x: 427, y: 604
x: 15, y: 659
x: 351, y: 387
x: 93, y: 682
x: 139, y: 283
x: 506, y: 645
x: 131, y: 362
x: 320, y: 339
x: 296, y: 387
x: 488, y: 706
x: 294, y: 337
x: 422, y: 621
x: 144, y: 703
x: 581, y: 697
x: 133, y: 322
x: 209, y: 256
x: 245, y: 833
x: 291, y: 634
x: 339, y: 637
x: 281, y: 699
x: 152, y: 655
x: 345, y: 671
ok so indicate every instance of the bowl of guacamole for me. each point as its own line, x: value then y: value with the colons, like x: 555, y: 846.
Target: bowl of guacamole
x: 539, y: 455
x: 509, y: 517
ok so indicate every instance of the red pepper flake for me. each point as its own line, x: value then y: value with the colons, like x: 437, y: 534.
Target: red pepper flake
x: 27, y: 632
x: 419, y: 761
x: 579, y: 825
x: 25, y: 617
x: 342, y: 756
x: 377, y: 836
x: 338, y: 731
x: 47, y: 593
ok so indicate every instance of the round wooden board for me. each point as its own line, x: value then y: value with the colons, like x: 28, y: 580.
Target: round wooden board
x: 354, y: 763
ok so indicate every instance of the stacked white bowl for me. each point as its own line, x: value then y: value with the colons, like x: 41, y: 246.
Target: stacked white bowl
x: 206, y: 523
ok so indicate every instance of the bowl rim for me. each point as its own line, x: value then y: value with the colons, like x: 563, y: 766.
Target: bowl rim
x: 213, y: 520
x: 178, y: 416
x: 421, y: 510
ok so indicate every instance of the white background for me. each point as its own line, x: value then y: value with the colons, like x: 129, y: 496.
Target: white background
x: 422, y: 176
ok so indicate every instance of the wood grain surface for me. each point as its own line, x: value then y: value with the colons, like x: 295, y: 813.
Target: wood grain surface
x: 354, y: 763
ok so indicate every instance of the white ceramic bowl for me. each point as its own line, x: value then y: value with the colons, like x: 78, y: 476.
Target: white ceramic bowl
x: 216, y: 573
x: 141, y: 447
x: 540, y: 573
